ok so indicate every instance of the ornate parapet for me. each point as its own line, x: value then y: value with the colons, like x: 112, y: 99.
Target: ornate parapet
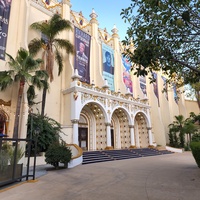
x: 53, y: 6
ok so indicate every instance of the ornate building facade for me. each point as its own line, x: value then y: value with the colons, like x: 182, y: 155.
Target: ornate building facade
x: 98, y: 107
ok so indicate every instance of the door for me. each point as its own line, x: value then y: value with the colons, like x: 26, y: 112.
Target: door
x: 112, y: 137
x: 83, y: 138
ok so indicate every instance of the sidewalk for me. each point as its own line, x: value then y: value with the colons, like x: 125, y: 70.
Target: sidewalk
x: 166, y: 177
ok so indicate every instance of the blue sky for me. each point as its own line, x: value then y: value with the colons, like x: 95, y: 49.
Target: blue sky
x: 108, y: 12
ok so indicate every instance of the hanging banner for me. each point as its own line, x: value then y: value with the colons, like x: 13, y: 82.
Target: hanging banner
x: 108, y: 65
x: 5, y: 6
x: 82, y: 57
x: 155, y: 86
x: 175, y: 93
x: 126, y: 74
x: 165, y: 89
x: 143, y: 84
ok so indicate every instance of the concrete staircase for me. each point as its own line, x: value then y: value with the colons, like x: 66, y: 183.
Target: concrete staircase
x: 111, y: 155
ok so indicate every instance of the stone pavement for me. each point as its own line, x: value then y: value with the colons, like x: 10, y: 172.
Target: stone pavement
x: 166, y: 177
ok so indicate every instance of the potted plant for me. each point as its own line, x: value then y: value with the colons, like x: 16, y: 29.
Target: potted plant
x: 9, y: 159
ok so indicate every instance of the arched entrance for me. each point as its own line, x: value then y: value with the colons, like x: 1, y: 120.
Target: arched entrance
x: 121, y: 135
x: 83, y: 132
x: 92, y: 128
x: 141, y: 132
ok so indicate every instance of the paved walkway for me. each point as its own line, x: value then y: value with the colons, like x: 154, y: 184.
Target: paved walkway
x: 166, y: 177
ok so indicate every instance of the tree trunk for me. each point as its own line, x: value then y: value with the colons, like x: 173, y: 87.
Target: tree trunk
x: 44, y: 94
x: 18, y: 108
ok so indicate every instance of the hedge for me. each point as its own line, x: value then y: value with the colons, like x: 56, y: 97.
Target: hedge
x: 195, y: 147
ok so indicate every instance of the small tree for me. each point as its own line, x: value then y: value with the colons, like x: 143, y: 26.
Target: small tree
x: 177, y: 128
x: 58, y: 153
x: 49, y: 131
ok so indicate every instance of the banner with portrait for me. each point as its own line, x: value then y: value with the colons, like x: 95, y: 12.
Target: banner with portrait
x: 5, y: 6
x: 82, y: 56
x: 108, y: 65
x: 127, y: 74
x: 142, y: 80
x: 165, y: 89
x: 155, y: 86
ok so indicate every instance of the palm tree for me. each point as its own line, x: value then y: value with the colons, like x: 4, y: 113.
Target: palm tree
x: 177, y: 127
x: 51, y: 46
x: 23, y: 69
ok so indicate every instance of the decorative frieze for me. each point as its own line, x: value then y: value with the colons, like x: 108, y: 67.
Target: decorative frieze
x: 53, y: 6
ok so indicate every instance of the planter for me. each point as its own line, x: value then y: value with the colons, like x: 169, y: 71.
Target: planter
x: 7, y: 173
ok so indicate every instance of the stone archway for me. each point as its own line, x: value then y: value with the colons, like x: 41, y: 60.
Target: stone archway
x: 121, y: 128
x: 141, y: 132
x: 97, y: 139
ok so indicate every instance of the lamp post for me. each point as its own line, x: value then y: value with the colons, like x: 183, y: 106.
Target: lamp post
x: 37, y: 132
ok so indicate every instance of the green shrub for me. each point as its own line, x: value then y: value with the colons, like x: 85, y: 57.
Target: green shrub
x: 58, y: 153
x: 196, y: 137
x: 195, y: 147
x: 49, y: 131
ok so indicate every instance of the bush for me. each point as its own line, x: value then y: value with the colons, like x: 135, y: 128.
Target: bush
x: 195, y: 147
x: 58, y: 153
x: 196, y: 137
x: 49, y: 131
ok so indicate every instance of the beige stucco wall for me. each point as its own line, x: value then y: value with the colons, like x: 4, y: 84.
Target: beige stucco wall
x: 191, y: 106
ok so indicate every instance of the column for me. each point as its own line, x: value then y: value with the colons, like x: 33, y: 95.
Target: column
x: 75, y: 132
x: 150, y: 136
x: 108, y: 136
x: 132, y: 136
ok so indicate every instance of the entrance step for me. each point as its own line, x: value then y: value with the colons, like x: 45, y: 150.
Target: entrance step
x: 111, y: 155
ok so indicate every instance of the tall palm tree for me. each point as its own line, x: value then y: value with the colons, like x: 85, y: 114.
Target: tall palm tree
x: 23, y: 69
x: 51, y: 46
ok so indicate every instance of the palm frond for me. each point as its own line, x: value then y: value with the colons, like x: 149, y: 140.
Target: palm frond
x: 12, y: 62
x: 42, y: 27
x: 45, y: 84
x: 57, y: 24
x: 31, y: 64
x: 35, y: 46
x: 64, y: 44
x: 31, y: 94
x: 42, y: 74
x: 5, y: 79
x: 59, y: 60
x: 22, y: 54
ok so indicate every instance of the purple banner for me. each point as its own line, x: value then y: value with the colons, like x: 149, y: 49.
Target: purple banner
x: 126, y: 74
x: 165, y: 91
x: 143, y: 84
x: 5, y: 6
x: 82, y: 57
x: 175, y: 93
x: 155, y: 87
